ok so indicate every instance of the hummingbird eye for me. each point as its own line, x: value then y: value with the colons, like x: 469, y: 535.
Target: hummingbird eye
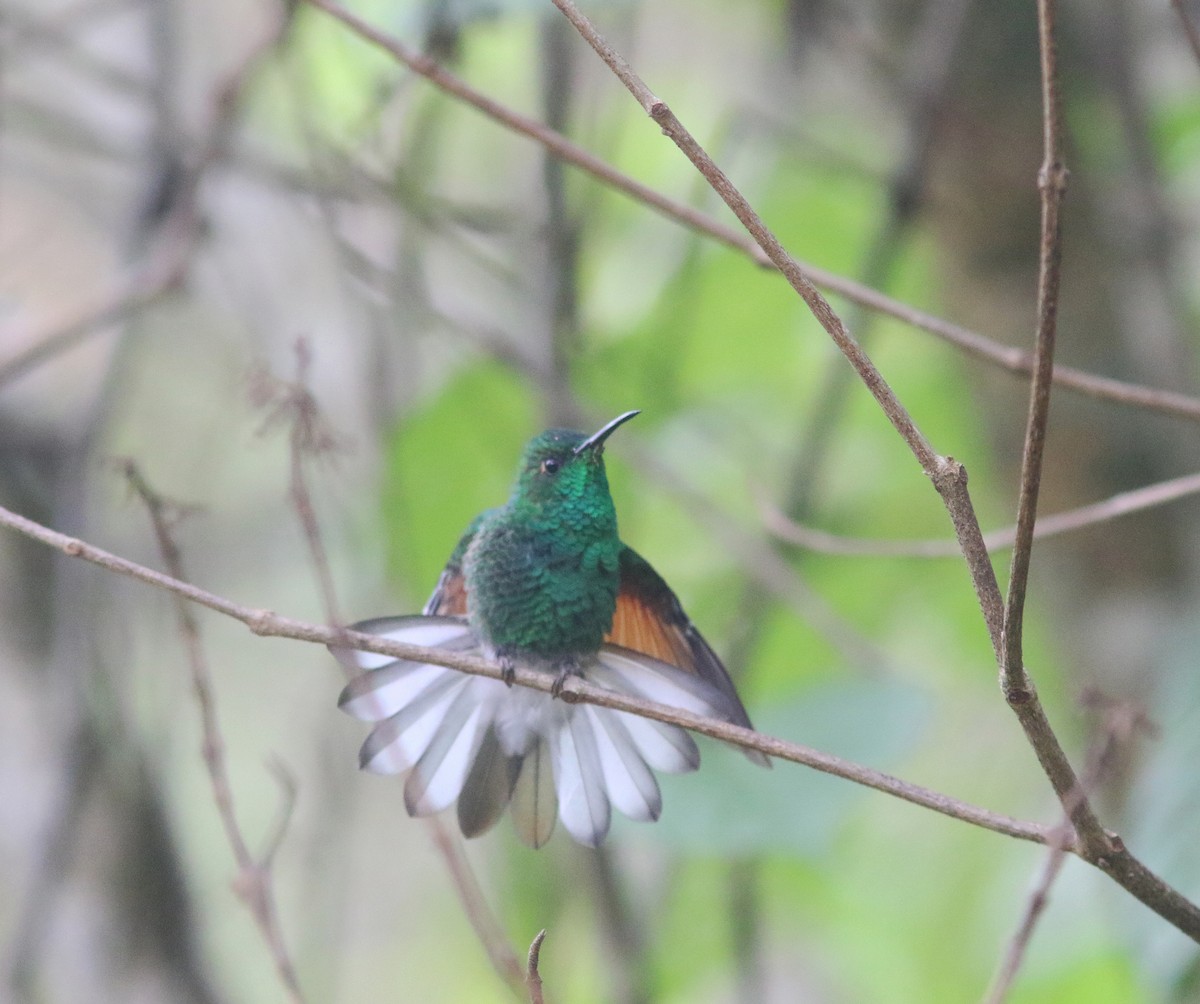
x: 550, y: 465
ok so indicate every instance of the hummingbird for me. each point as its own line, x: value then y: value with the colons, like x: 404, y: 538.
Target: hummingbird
x: 543, y: 582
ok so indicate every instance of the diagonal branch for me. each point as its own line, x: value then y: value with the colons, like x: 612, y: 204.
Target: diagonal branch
x: 1114, y: 507
x: 1012, y: 359
x: 253, y: 883
x: 1117, y: 862
x: 948, y: 476
x: 267, y: 624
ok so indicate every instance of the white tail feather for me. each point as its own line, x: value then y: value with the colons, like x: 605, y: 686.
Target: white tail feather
x: 583, y: 804
x: 377, y: 695
x: 437, y: 780
x: 629, y: 782
x: 398, y: 742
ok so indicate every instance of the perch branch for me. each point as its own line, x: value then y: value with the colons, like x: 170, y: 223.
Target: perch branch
x: 1118, y: 863
x: 268, y: 624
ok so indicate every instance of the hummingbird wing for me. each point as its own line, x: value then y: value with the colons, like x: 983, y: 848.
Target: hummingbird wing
x: 450, y: 594
x: 650, y: 619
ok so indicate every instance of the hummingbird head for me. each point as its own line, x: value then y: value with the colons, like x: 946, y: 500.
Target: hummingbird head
x: 562, y: 467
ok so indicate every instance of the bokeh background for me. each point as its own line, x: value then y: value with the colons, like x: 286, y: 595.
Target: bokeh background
x: 190, y: 188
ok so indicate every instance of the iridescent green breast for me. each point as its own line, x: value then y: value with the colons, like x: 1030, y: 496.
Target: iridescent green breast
x: 545, y: 589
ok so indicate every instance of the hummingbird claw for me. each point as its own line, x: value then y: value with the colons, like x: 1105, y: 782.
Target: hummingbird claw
x: 565, y: 671
x: 508, y: 670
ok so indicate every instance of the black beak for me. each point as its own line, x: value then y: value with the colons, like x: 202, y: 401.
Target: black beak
x: 596, y: 439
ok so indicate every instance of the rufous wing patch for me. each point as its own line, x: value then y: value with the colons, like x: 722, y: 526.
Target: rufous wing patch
x: 449, y: 597
x: 639, y: 626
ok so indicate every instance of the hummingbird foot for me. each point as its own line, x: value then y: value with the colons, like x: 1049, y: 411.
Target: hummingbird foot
x: 566, y: 669
x: 508, y: 668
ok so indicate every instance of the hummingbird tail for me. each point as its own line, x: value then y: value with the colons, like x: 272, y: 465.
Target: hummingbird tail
x: 474, y: 741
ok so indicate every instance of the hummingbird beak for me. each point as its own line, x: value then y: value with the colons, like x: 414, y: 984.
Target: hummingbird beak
x: 596, y: 439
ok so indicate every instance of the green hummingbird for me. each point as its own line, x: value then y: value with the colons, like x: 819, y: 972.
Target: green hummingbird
x: 542, y: 582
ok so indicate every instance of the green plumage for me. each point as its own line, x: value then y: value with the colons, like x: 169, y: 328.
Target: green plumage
x: 542, y: 570
x: 544, y: 583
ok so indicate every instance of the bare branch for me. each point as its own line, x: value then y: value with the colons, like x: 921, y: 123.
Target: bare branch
x: 1016, y: 684
x: 1034, y: 908
x: 309, y: 438
x: 1014, y: 360
x: 479, y: 914
x: 1121, y: 504
x: 1117, y: 862
x: 267, y: 624
x: 1189, y: 27
x: 1052, y: 181
x: 253, y: 882
x: 1122, y: 721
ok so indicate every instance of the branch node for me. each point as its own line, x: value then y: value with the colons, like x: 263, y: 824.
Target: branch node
x: 262, y: 622
x: 947, y: 474
x: 1016, y: 696
x: 1054, y: 177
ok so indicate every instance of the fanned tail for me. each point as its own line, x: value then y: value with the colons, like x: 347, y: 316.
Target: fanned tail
x: 473, y: 741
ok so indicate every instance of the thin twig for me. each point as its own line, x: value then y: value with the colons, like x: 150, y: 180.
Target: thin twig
x: 253, y: 882
x: 310, y: 437
x: 533, y: 978
x: 499, y: 952
x: 1036, y: 905
x: 1052, y: 181
x: 1014, y: 360
x: 1122, y: 721
x: 1016, y: 684
x: 1189, y: 27
x: 1114, y: 507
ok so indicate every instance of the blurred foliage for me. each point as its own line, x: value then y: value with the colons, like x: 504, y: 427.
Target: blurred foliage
x: 405, y: 236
